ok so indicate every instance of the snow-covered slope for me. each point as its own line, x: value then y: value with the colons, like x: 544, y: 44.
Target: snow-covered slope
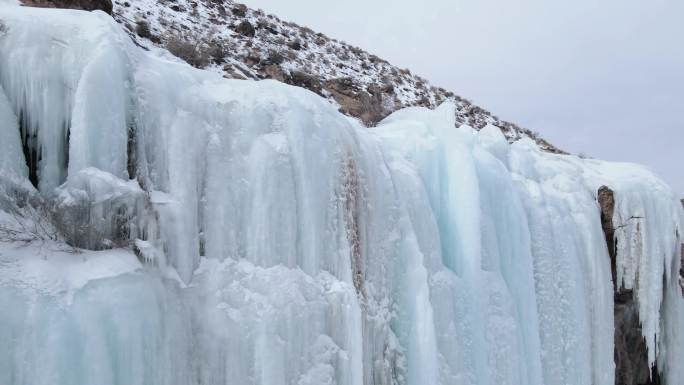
x: 284, y: 243
x: 239, y: 42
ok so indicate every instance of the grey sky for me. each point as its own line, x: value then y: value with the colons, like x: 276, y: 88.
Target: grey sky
x: 602, y: 77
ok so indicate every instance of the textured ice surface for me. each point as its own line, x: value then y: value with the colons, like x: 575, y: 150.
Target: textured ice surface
x: 96, y: 210
x: 292, y: 246
x: 12, y: 163
x: 89, y: 318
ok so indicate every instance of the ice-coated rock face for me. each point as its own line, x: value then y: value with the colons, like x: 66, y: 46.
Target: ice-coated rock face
x: 96, y: 210
x: 291, y: 245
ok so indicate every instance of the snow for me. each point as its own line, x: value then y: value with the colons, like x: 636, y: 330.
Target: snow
x: 53, y: 270
x: 99, y: 185
x: 284, y: 243
x: 88, y: 318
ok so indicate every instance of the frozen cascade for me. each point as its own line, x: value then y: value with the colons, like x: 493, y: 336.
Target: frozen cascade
x: 84, y: 87
x: 293, y: 245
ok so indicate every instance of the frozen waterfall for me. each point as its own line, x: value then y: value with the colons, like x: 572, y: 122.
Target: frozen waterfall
x: 279, y: 242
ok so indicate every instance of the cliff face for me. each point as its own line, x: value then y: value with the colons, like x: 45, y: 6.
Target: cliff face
x: 631, y: 352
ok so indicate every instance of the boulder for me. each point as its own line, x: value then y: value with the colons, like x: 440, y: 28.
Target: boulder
x: 367, y: 105
x: 273, y: 71
x: 304, y: 80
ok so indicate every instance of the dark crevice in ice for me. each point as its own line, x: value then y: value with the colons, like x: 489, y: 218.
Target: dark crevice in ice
x: 30, y: 147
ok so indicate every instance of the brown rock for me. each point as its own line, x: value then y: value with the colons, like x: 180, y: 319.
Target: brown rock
x: 302, y: 79
x: 606, y: 201
x: 231, y: 72
x: 362, y: 104
x: 273, y: 71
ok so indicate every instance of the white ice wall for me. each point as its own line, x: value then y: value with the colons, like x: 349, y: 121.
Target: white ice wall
x: 65, y: 78
x: 11, y: 158
x: 86, y: 319
x: 297, y: 247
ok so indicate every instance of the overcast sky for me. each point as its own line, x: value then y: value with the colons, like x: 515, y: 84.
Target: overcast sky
x: 602, y: 77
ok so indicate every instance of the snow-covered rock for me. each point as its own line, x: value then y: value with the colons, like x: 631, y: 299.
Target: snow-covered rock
x: 96, y: 210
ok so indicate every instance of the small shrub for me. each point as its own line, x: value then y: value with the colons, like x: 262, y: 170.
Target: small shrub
x: 28, y: 216
x: 306, y: 31
x: 275, y: 57
x: 217, y: 52
x: 295, y: 45
x: 245, y: 28
x: 142, y: 28
x: 192, y: 50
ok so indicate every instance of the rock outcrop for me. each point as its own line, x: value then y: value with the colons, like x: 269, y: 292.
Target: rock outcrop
x: 606, y: 200
x: 631, y: 354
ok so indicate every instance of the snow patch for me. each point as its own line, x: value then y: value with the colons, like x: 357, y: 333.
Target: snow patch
x: 54, y: 270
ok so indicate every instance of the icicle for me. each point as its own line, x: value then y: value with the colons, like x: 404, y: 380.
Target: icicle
x: 12, y: 163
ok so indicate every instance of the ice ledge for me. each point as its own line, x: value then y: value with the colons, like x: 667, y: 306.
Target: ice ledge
x: 54, y: 269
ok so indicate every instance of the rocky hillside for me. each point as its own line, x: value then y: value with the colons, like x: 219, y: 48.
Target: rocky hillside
x: 239, y: 42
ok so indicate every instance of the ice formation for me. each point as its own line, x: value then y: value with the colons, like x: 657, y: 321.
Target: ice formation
x: 287, y: 244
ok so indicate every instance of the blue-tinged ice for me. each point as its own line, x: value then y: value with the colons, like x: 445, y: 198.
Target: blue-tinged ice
x: 258, y: 236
